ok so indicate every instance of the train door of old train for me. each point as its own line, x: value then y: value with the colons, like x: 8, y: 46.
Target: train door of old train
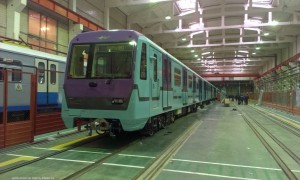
x: 155, y: 63
x: 42, y: 76
x: 47, y: 82
x: 52, y: 82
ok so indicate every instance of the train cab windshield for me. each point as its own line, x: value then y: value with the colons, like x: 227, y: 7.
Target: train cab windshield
x: 102, y: 61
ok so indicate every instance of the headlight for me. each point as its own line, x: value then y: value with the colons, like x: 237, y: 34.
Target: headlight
x: 117, y: 101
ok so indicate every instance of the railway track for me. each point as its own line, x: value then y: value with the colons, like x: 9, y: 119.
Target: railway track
x: 39, y: 142
x: 289, y: 127
x: 253, y: 124
x: 22, y: 164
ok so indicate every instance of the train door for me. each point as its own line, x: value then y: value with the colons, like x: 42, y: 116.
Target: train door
x: 47, y: 82
x: 52, y: 82
x: 200, y: 90
x: 184, y: 87
x: 42, y: 77
x: 166, y: 82
x: 194, y: 88
x: 155, y: 64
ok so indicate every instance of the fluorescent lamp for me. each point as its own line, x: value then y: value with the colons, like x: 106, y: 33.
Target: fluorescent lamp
x: 205, y: 53
x: 168, y: 17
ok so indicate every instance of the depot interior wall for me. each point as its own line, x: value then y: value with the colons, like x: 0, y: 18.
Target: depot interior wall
x: 24, y: 24
x: 297, y: 44
x: 3, y: 18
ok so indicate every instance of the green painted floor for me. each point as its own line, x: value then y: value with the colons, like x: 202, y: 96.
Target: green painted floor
x: 224, y: 147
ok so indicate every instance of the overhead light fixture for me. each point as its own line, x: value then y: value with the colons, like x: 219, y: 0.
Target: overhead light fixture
x: 257, y: 48
x: 184, y: 39
x: 274, y: 23
x: 254, y: 53
x: 168, y: 17
x: 192, y: 51
x: 196, y: 55
x: 242, y: 51
x: 205, y: 53
x: 266, y: 34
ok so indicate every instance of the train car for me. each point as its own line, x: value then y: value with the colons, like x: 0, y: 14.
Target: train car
x: 124, y: 82
x: 20, y: 60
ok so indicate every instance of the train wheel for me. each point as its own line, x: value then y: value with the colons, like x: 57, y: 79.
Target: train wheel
x: 163, y: 122
x: 172, y: 118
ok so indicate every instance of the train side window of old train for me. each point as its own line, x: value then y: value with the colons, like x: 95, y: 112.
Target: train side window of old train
x: 53, y: 74
x: 14, y: 68
x: 41, y: 72
x: 155, y: 68
x: 143, y: 66
x: 177, y: 77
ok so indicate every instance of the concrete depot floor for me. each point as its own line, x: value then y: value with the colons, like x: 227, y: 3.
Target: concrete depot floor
x: 224, y: 147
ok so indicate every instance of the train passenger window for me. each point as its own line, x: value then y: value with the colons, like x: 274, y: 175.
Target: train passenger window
x: 1, y: 73
x: 169, y: 72
x: 143, y: 66
x: 177, y: 77
x: 41, y: 72
x: 16, y: 75
x: 155, y: 68
x: 14, y: 68
x: 190, y: 81
x: 53, y: 74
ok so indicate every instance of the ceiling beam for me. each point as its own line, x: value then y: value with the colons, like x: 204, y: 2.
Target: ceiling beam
x: 218, y: 14
x: 228, y: 44
x: 161, y: 31
x: 214, y: 37
x: 122, y: 3
x: 230, y: 75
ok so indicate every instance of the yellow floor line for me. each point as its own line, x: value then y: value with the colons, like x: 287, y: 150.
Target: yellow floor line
x: 285, y: 120
x: 62, y: 146
x: 5, y: 163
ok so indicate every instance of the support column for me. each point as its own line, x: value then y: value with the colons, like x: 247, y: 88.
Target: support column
x: 14, y: 8
x: 74, y: 28
x: 106, y: 18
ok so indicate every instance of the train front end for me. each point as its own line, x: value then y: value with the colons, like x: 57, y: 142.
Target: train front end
x: 99, y: 80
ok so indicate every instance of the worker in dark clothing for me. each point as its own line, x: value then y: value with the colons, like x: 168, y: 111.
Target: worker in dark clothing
x: 246, y: 99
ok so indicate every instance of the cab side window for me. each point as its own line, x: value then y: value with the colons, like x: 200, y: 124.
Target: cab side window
x: 143, y: 66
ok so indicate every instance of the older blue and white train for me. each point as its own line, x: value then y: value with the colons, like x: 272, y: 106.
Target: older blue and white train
x: 19, y: 63
x: 123, y: 81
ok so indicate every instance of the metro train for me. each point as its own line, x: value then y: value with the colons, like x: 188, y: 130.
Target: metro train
x: 122, y: 81
x: 19, y: 62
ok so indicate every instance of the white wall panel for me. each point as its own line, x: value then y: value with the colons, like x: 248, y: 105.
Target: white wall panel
x: 91, y: 12
x: 135, y: 27
x: 117, y: 19
x: 63, y: 2
x: 2, y: 18
x: 24, y: 24
x: 63, y: 37
x: 298, y: 44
